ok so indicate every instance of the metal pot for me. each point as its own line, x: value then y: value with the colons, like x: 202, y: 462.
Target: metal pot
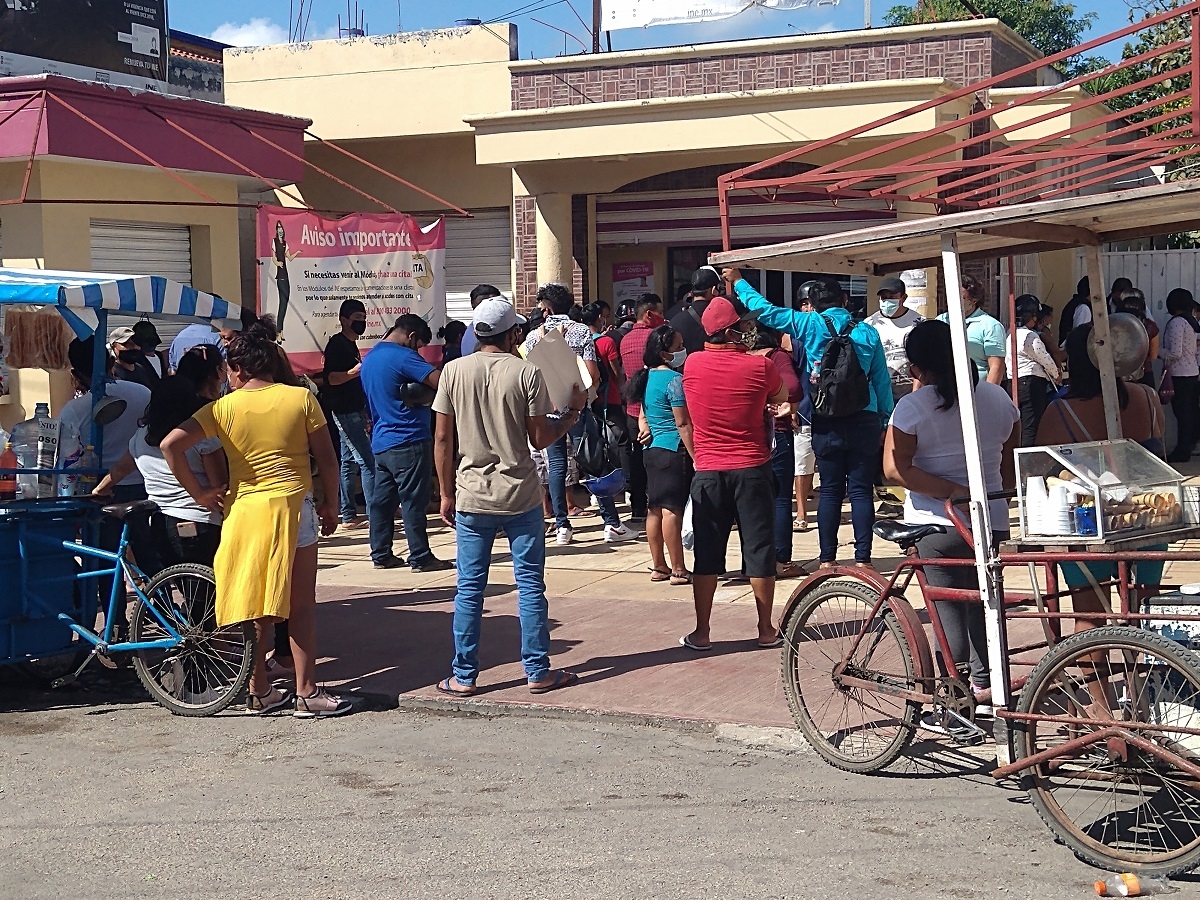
x: 1129, y: 342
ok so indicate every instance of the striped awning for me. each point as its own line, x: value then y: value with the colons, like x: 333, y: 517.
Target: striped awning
x: 80, y: 295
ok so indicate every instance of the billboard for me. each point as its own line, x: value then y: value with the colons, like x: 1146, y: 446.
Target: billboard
x: 112, y: 41
x: 618, y: 14
x: 308, y: 264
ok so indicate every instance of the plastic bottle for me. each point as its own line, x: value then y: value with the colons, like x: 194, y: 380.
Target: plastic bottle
x: 8, y: 483
x: 25, y: 443
x: 68, y: 482
x: 87, y: 481
x: 1127, y: 884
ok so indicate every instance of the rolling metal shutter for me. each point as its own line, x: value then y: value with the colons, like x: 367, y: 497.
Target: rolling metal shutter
x: 137, y: 248
x: 478, y: 251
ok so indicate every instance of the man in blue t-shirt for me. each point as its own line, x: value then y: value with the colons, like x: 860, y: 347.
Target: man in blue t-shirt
x: 402, y: 441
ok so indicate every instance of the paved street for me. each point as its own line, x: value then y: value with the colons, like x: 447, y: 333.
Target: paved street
x: 122, y: 800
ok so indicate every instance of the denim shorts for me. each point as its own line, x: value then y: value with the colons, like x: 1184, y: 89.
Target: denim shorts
x: 310, y: 523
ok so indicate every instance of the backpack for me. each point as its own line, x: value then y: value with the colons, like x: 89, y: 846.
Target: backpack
x: 841, y: 387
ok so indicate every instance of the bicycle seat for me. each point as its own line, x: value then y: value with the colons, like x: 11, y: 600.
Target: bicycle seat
x: 906, y: 535
x: 121, y: 511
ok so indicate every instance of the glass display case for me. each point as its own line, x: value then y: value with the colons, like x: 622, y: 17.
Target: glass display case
x: 1098, y: 491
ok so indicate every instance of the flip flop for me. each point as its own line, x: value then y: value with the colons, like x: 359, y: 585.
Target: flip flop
x: 681, y: 578
x: 797, y: 525
x: 686, y: 641
x: 660, y: 574
x: 562, y: 678
x: 778, y: 642
x: 443, y: 687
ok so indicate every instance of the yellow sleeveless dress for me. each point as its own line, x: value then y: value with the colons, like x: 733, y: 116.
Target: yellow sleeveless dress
x: 264, y: 432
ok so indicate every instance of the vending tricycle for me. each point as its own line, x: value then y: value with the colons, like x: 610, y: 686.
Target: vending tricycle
x: 54, y: 569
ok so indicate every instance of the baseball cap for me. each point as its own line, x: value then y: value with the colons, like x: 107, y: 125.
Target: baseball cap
x: 721, y: 314
x: 495, y: 316
x: 893, y: 285
x: 121, y: 335
x: 705, y: 278
x: 146, y: 334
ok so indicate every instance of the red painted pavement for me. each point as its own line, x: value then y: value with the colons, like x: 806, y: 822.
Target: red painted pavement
x: 626, y: 652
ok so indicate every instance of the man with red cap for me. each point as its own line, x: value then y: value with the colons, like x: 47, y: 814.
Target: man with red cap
x: 728, y: 390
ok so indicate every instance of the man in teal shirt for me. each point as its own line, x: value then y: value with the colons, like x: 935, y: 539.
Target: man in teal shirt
x: 847, y: 447
x: 986, y: 338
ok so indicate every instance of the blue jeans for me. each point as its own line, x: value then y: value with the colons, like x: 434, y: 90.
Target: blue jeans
x: 476, y: 533
x: 356, y: 453
x: 556, y: 470
x: 847, y: 451
x: 783, y: 466
x: 404, y: 478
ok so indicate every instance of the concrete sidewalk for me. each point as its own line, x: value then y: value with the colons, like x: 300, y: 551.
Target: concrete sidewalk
x: 389, y: 632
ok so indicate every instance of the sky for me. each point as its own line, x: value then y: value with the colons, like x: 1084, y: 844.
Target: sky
x: 266, y: 21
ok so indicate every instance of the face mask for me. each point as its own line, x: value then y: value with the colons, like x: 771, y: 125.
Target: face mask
x: 889, y: 307
x: 677, y: 359
x: 129, y: 356
x: 653, y: 319
x: 749, y: 338
x: 359, y: 328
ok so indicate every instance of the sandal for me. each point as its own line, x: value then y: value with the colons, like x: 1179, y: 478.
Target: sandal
x: 800, y: 525
x: 790, y: 570
x: 265, y: 704
x: 463, y: 690
x: 562, y: 678
x: 678, y: 579
x: 660, y: 574
x: 278, y: 670
x: 321, y: 705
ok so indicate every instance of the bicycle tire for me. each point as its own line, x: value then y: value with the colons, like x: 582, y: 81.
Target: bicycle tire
x: 211, y: 668
x: 817, y: 635
x: 1131, y: 815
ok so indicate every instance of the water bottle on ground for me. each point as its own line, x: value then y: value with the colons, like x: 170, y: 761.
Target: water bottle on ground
x: 87, y: 480
x: 8, y: 483
x: 25, y: 437
x: 1127, y: 884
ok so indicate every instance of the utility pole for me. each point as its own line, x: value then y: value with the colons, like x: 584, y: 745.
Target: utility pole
x: 867, y: 11
x: 597, y: 15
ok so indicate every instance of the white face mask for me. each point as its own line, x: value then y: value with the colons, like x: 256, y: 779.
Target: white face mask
x: 889, y: 307
x: 677, y: 359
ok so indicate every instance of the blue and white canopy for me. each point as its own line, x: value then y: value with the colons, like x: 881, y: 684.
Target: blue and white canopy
x: 79, y: 295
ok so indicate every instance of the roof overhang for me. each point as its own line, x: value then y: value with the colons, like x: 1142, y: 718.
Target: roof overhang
x: 986, y: 234
x: 709, y: 122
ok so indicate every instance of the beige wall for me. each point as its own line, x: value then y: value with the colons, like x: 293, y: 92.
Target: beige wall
x: 417, y: 84
x: 57, y: 236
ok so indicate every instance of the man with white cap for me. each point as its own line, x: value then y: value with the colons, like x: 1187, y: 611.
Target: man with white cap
x: 496, y: 406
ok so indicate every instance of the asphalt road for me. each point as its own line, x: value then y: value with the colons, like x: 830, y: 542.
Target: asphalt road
x: 120, y: 799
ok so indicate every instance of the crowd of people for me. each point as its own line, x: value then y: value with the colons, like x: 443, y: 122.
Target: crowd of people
x: 719, y: 414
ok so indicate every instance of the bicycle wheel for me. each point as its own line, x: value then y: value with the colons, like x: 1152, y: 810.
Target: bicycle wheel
x: 853, y: 728
x: 211, y: 667
x: 1125, y: 810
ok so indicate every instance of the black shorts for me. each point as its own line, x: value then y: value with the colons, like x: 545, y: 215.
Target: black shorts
x: 668, y: 478
x: 745, y: 496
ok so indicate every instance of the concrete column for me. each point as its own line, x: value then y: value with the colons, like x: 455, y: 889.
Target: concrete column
x: 555, y: 253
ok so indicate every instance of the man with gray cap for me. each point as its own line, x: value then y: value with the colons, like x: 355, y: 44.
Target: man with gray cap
x: 131, y: 362
x: 495, y: 405
x: 893, y: 322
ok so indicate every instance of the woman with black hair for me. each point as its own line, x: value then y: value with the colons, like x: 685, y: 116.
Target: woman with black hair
x: 452, y: 334
x: 666, y: 432
x: 924, y: 452
x: 266, y: 565
x: 1036, y: 369
x: 185, y: 531
x: 1179, y: 355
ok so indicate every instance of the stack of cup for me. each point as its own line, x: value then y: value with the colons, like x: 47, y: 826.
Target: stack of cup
x: 1059, y: 512
x: 1037, y: 502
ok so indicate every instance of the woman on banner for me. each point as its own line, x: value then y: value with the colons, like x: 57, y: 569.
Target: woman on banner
x: 282, y: 282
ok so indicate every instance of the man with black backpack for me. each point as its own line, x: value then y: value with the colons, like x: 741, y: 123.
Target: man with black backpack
x: 852, y: 401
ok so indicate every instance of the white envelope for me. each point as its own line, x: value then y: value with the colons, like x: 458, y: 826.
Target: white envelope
x: 561, y: 367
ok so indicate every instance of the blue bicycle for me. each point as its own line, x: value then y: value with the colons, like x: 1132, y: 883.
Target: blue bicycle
x: 187, y: 663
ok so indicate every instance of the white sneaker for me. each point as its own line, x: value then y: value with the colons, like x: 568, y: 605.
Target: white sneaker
x: 618, y: 534
x: 565, y: 535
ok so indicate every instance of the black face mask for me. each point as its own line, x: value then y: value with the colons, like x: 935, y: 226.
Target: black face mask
x: 359, y: 328
x: 129, y: 356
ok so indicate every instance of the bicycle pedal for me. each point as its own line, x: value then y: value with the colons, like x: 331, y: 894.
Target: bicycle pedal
x: 69, y: 678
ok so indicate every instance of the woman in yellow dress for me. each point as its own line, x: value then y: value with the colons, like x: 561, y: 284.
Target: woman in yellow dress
x: 266, y: 565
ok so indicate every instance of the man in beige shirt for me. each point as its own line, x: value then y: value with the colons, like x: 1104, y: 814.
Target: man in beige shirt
x: 496, y: 405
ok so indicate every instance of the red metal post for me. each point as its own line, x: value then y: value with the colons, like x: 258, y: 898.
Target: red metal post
x: 1012, y: 329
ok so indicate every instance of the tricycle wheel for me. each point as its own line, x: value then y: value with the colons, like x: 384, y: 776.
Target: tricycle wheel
x: 46, y: 670
x: 209, y: 669
x: 853, y: 728
x: 1116, y: 805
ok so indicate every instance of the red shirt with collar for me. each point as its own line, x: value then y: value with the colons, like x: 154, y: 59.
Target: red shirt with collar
x: 727, y: 390
x: 633, y: 348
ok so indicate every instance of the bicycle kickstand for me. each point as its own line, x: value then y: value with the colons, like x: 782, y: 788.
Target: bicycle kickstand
x: 70, y: 677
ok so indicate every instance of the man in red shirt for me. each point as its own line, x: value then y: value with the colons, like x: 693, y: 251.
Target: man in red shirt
x: 728, y: 391
x: 633, y: 347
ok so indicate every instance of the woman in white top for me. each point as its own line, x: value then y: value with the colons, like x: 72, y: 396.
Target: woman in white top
x: 1178, y: 353
x: 924, y: 453
x: 1036, y: 368
x: 185, y: 532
